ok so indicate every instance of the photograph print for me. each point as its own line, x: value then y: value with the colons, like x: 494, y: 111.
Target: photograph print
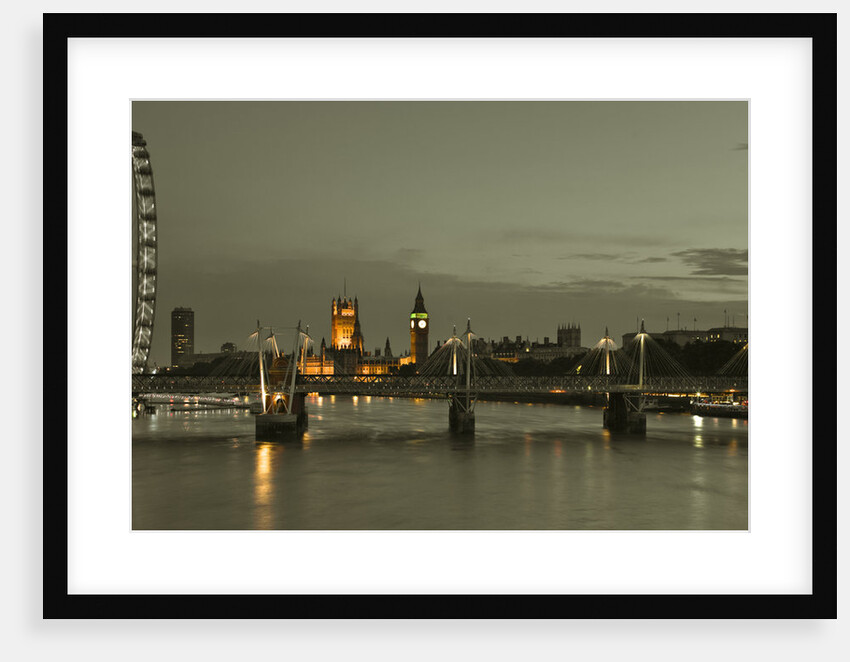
x: 440, y: 315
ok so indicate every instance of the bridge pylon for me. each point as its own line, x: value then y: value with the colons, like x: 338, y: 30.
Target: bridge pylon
x: 284, y: 410
x: 623, y: 411
x: 454, y: 363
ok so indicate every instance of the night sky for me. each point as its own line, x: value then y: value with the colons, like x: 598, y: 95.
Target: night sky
x: 521, y: 215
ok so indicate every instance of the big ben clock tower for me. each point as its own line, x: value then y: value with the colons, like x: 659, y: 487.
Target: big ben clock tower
x: 419, y: 330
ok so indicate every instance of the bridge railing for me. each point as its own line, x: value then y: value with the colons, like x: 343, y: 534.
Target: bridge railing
x: 514, y: 384
x: 419, y: 385
x: 194, y: 384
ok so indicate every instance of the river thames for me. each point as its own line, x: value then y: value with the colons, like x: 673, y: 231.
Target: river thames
x: 391, y: 463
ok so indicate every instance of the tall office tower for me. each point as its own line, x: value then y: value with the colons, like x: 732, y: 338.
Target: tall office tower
x: 569, y: 335
x: 182, y: 336
x: 419, y: 330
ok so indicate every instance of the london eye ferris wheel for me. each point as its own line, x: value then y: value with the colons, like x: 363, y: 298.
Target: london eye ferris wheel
x: 144, y: 212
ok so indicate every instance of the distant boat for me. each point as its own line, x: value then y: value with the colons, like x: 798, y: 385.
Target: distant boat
x: 720, y: 409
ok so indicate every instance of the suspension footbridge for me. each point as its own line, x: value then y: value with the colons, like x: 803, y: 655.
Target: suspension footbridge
x: 454, y: 372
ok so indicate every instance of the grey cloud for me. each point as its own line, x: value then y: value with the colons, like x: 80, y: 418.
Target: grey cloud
x: 628, y: 257
x: 409, y: 253
x: 715, y: 261
x: 531, y: 235
x: 703, y: 284
x: 581, y: 285
x: 592, y: 256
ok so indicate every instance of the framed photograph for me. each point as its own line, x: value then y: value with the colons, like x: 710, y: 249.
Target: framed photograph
x: 442, y: 313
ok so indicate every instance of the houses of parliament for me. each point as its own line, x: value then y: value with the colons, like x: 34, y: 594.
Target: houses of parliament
x: 346, y: 354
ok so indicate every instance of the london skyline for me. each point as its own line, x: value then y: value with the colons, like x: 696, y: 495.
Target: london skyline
x: 519, y: 215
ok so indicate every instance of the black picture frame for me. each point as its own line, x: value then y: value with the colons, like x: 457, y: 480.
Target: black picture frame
x: 820, y: 28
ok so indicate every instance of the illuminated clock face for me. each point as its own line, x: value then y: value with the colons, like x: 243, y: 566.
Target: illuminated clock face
x: 412, y: 324
x: 422, y: 324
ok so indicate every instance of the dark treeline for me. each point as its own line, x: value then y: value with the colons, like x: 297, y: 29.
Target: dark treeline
x: 697, y: 358
x: 701, y: 358
x: 563, y: 365
x: 231, y: 366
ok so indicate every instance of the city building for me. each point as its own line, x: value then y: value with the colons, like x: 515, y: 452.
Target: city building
x: 419, y: 330
x: 227, y: 349
x: 513, y: 351
x: 569, y: 335
x: 182, y: 337
x: 735, y: 334
x: 681, y: 337
x: 321, y: 363
x: 345, y: 355
x: 345, y: 324
x: 547, y: 352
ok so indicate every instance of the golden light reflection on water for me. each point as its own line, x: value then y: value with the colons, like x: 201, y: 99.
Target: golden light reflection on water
x: 527, y: 439
x: 263, y: 485
x: 698, y: 441
x: 606, y: 439
x: 697, y: 421
x: 557, y: 448
x: 733, y: 447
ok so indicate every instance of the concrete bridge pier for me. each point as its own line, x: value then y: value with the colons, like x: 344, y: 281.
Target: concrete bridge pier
x: 461, y: 419
x: 299, y: 407
x: 278, y: 424
x: 619, y: 417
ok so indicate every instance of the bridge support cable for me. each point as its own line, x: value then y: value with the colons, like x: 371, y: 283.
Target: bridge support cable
x: 604, y: 358
x: 738, y: 365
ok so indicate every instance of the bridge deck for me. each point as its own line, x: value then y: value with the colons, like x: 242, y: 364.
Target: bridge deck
x: 418, y: 385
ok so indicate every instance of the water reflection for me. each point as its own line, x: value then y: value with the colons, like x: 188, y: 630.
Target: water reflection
x: 263, y: 485
x: 392, y: 464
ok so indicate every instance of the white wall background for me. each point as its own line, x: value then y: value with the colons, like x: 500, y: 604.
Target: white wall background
x: 26, y: 636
